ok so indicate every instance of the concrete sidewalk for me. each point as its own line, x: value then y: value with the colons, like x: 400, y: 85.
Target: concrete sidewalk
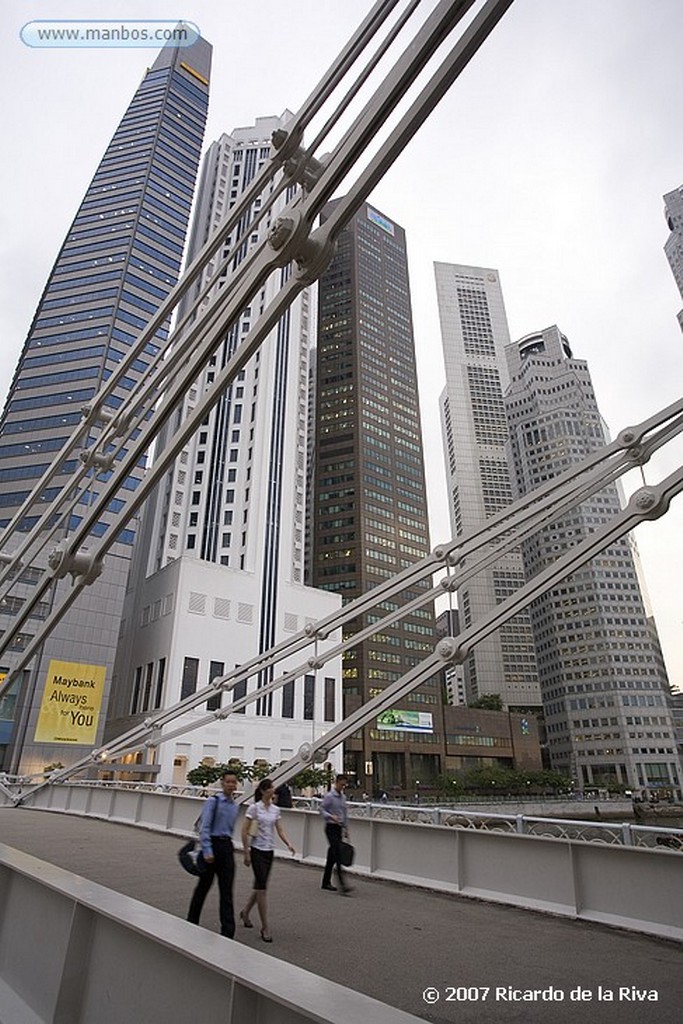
x: 390, y: 941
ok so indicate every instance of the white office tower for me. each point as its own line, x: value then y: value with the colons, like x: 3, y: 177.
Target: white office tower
x: 673, y: 212
x: 474, y: 333
x: 602, y: 676
x: 221, y: 559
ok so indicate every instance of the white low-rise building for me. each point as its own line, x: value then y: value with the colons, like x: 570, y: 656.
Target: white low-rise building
x: 193, y: 621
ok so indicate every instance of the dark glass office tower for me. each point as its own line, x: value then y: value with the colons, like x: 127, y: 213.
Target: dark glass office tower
x: 120, y: 259
x: 369, y: 506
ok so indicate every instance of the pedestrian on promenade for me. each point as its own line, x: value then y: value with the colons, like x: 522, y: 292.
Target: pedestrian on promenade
x: 215, y: 835
x: 334, y: 811
x: 260, y: 824
x: 283, y: 795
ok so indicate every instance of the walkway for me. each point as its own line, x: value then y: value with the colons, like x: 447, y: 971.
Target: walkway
x: 389, y: 941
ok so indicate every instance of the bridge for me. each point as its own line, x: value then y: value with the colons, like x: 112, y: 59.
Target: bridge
x: 446, y: 922
x: 105, y: 901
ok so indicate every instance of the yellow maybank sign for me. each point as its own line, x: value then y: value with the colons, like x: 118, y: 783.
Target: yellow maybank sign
x: 71, y: 703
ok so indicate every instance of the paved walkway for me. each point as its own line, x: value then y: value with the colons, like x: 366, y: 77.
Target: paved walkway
x: 390, y: 941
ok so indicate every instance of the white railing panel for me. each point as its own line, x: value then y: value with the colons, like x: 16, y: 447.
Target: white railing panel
x: 399, y: 852
x: 74, y: 952
x: 126, y: 806
x: 509, y: 868
x: 34, y: 933
x: 639, y: 888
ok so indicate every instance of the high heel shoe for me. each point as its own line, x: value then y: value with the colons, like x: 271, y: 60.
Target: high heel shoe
x: 245, y: 920
x: 265, y: 936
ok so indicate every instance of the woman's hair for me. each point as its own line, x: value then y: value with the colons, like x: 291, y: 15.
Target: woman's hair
x: 263, y: 785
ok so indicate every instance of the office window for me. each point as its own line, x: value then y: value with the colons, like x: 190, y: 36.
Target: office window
x: 189, y: 681
x: 329, y: 699
x: 288, y: 699
x: 135, y: 700
x: 147, y: 697
x: 216, y: 668
x: 309, y: 697
x: 240, y: 691
x: 159, y: 693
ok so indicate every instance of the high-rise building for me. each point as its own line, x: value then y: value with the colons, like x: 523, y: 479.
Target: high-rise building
x: 219, y: 573
x: 453, y: 676
x: 369, y: 506
x: 673, y: 212
x: 605, y: 691
x: 474, y: 333
x: 236, y: 496
x: 120, y: 259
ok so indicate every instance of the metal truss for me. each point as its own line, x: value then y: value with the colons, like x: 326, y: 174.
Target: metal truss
x: 111, y: 442
x: 460, y: 560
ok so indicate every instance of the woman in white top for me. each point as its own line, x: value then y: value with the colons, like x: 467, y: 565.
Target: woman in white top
x: 260, y: 824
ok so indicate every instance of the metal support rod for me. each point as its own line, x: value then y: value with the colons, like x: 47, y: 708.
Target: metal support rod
x: 646, y: 504
x: 288, y: 143
x: 318, y: 251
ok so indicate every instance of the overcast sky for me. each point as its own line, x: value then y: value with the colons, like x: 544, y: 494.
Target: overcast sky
x: 547, y: 161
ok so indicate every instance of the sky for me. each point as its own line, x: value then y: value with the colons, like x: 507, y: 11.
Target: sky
x: 547, y: 161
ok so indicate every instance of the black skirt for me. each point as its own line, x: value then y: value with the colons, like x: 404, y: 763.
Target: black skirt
x: 261, y: 863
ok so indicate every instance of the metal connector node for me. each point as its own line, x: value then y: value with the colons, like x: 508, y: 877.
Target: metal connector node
x: 95, y: 460
x: 84, y: 565
x: 306, y: 752
x: 447, y: 648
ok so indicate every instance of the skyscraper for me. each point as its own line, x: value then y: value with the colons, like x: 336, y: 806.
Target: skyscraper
x: 120, y: 259
x: 474, y: 333
x: 602, y: 678
x: 222, y: 545
x: 673, y: 212
x: 369, y: 507
x: 236, y: 496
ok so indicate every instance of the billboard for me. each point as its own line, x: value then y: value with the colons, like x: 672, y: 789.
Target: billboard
x: 70, y: 708
x: 405, y: 721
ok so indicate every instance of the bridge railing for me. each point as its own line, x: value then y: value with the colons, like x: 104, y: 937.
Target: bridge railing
x: 67, y: 943
x: 612, y: 879
x: 614, y: 832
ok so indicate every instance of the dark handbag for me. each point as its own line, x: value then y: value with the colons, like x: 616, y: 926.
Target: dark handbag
x: 346, y: 853
x: 190, y: 857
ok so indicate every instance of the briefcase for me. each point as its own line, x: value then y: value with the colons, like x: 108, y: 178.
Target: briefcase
x: 346, y: 852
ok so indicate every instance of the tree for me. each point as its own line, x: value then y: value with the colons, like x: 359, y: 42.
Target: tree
x: 205, y: 775
x: 313, y: 778
x: 488, y: 702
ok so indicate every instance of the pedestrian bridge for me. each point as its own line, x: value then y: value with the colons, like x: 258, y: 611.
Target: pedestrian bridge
x: 608, y: 874
x: 65, y: 942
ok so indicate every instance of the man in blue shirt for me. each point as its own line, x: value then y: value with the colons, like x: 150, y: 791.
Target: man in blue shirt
x: 215, y: 835
x: 334, y: 811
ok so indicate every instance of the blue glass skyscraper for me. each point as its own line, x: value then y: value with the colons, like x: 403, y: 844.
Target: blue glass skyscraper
x: 120, y: 259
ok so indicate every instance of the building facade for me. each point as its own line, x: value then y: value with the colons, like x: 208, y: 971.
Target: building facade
x: 120, y: 259
x: 605, y: 690
x: 490, y: 739
x: 673, y: 212
x: 453, y: 676
x: 231, y: 509
x: 369, y: 508
x: 474, y: 333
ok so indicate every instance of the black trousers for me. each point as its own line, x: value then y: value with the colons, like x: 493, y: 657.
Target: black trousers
x: 334, y: 838
x: 223, y: 868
